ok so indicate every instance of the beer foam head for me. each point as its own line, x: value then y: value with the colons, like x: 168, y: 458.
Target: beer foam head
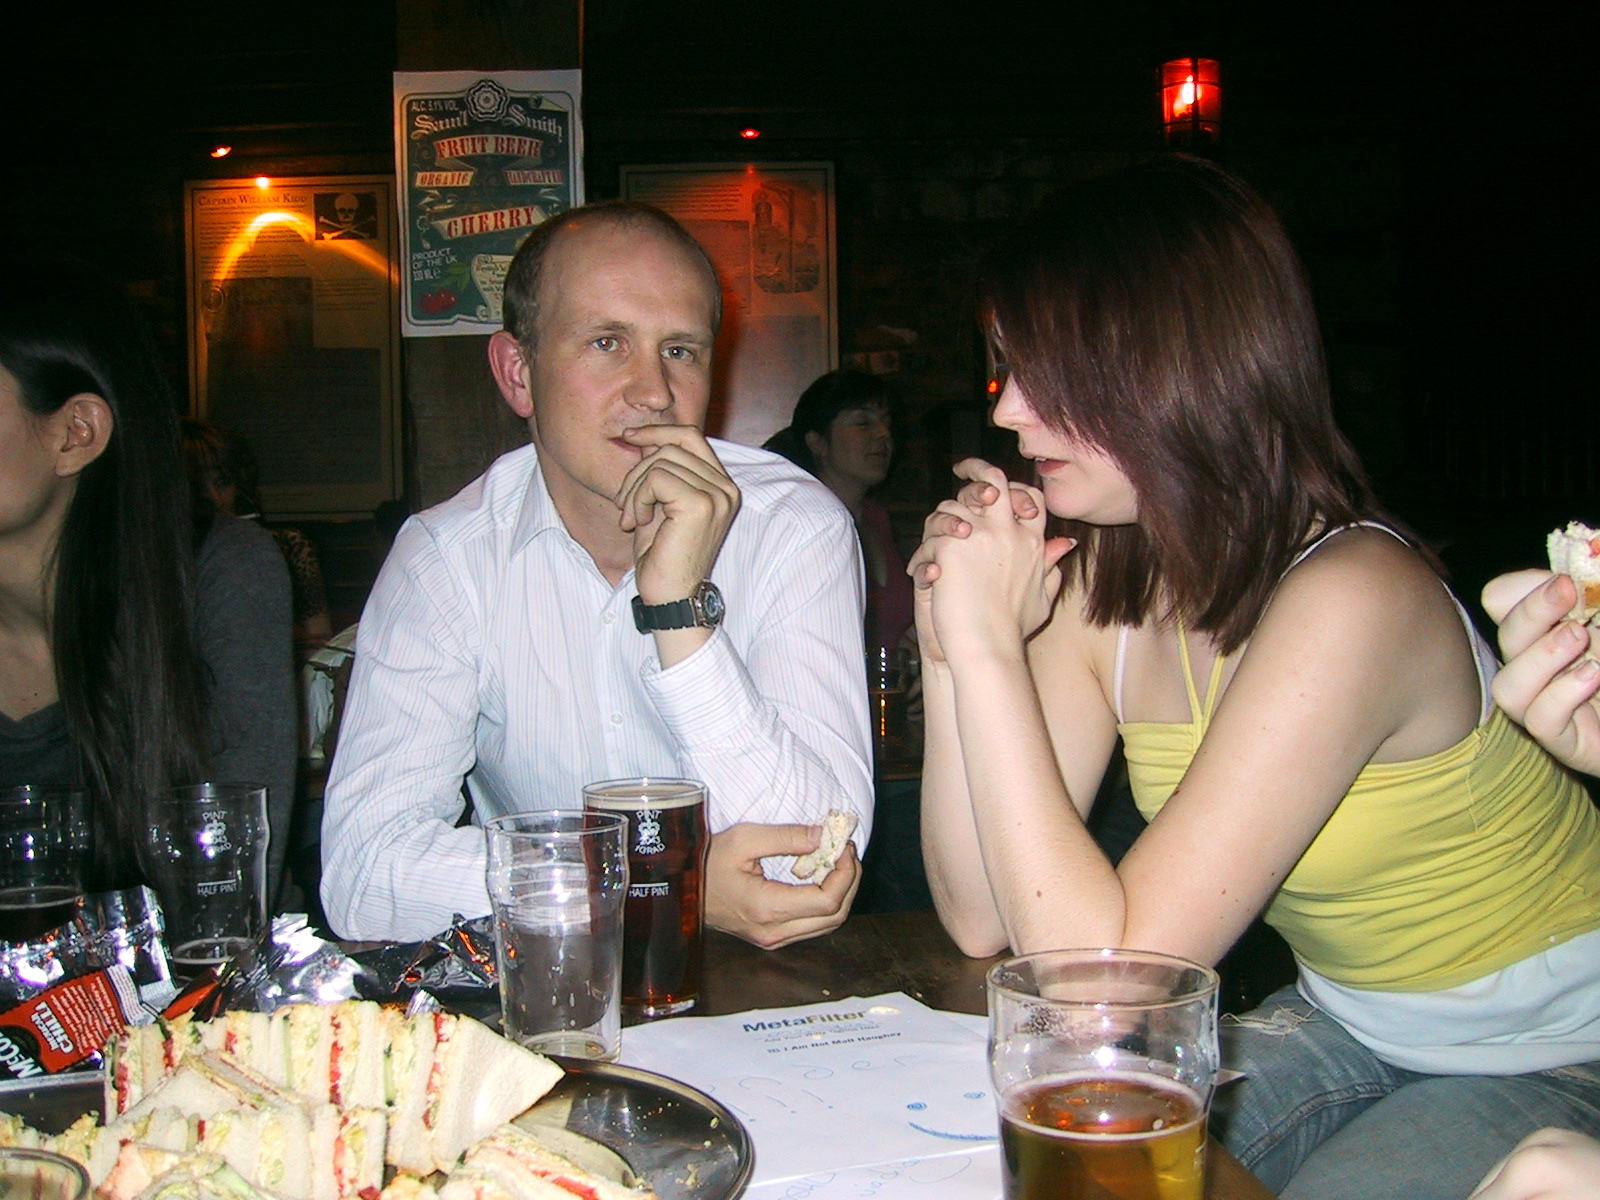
x: 636, y: 795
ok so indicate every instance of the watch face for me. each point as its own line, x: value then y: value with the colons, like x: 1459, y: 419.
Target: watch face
x: 711, y: 607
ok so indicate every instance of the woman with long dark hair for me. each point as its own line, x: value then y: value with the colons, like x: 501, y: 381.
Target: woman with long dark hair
x: 1304, y: 706
x: 111, y: 680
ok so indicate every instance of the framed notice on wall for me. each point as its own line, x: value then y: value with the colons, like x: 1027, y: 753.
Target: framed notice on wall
x: 294, y: 334
x: 483, y: 157
x: 769, y: 228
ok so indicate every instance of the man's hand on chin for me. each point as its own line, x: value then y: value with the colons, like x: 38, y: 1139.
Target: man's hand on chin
x: 678, y: 502
x: 740, y: 900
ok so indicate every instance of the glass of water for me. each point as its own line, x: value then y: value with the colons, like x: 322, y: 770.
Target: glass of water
x: 557, y: 881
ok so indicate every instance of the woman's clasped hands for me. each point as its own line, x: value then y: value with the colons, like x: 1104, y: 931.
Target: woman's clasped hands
x: 986, y: 576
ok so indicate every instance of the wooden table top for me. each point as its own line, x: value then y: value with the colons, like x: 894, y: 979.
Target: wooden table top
x: 885, y: 952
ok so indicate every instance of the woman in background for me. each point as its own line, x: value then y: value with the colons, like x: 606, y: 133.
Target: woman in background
x: 1305, y: 708
x: 842, y: 432
x: 113, y: 679
x: 224, y: 479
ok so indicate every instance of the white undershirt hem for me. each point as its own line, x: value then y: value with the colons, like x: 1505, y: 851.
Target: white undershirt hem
x: 1539, y: 1013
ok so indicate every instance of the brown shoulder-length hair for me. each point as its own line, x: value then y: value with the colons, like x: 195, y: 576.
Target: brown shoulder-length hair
x: 1161, y: 314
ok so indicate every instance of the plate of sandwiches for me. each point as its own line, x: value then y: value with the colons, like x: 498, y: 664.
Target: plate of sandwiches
x: 357, y: 1101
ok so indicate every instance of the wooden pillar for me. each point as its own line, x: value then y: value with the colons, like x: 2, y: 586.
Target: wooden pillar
x: 456, y: 422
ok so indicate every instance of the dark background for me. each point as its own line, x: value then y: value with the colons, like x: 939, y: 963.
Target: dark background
x: 1428, y: 163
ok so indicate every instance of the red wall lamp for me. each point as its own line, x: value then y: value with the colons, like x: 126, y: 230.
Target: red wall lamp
x: 1191, y: 102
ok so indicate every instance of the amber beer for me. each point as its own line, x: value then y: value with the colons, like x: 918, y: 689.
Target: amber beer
x: 1103, y: 1136
x: 661, y: 924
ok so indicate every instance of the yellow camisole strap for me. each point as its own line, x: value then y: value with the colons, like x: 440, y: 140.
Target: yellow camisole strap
x: 1199, y: 713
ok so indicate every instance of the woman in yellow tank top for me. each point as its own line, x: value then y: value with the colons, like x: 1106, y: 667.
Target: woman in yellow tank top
x: 1304, y: 704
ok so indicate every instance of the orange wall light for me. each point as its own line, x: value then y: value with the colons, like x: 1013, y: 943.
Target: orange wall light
x: 1191, y: 102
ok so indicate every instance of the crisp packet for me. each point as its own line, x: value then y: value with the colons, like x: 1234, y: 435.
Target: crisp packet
x: 459, y: 960
x: 290, y: 964
x: 64, y: 994
x: 467, y: 962
x: 121, y: 928
x: 293, y: 963
x: 131, y: 933
x: 69, y: 1024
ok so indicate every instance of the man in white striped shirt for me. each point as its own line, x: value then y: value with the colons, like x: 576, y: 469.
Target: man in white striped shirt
x: 552, y: 624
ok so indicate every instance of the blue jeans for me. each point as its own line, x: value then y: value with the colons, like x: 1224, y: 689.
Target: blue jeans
x: 1318, y: 1116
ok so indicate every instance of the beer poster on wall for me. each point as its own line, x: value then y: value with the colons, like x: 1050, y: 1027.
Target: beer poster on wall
x: 483, y: 157
x: 293, y: 338
x: 769, y: 229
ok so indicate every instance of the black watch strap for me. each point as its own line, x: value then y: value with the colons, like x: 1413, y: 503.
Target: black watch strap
x: 647, y: 618
x: 702, y: 610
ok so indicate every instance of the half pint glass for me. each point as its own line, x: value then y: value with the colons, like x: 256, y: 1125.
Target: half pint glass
x: 208, y: 855
x: 661, y: 926
x: 1103, y: 1063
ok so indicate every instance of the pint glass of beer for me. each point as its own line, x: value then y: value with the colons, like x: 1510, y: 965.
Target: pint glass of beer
x: 1103, y: 1064
x: 661, y: 925
x: 44, y: 839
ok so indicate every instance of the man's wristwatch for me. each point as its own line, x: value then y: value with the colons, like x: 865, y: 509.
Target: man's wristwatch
x: 703, y: 610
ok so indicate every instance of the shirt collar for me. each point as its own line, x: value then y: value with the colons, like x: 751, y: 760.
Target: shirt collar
x: 537, y: 513
x: 537, y: 516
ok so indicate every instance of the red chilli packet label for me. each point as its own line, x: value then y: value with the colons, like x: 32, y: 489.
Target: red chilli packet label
x: 66, y: 1024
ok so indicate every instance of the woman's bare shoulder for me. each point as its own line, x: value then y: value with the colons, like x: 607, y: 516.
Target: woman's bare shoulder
x: 1071, y: 640
x: 1363, y: 570
x: 1370, y: 617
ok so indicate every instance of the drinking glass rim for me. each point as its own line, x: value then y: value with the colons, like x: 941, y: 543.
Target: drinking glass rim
x: 40, y: 1157
x: 209, y: 791
x: 1208, y: 988
x: 676, y: 785
x: 25, y: 793
x: 592, y: 822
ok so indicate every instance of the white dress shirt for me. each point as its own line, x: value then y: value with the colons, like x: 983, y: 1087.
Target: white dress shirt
x: 493, y: 650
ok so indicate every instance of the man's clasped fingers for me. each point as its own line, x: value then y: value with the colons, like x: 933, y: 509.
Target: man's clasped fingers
x: 665, y: 480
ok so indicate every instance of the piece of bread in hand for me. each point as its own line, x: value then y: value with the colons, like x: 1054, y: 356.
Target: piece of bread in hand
x: 836, y: 830
x: 1575, y: 552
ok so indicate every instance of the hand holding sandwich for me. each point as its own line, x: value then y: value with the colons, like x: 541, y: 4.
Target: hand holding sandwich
x: 1549, y: 681
x: 742, y: 901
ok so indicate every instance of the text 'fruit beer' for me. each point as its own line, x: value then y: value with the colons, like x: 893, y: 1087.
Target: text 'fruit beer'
x: 1131, y: 1137
x: 668, y: 840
